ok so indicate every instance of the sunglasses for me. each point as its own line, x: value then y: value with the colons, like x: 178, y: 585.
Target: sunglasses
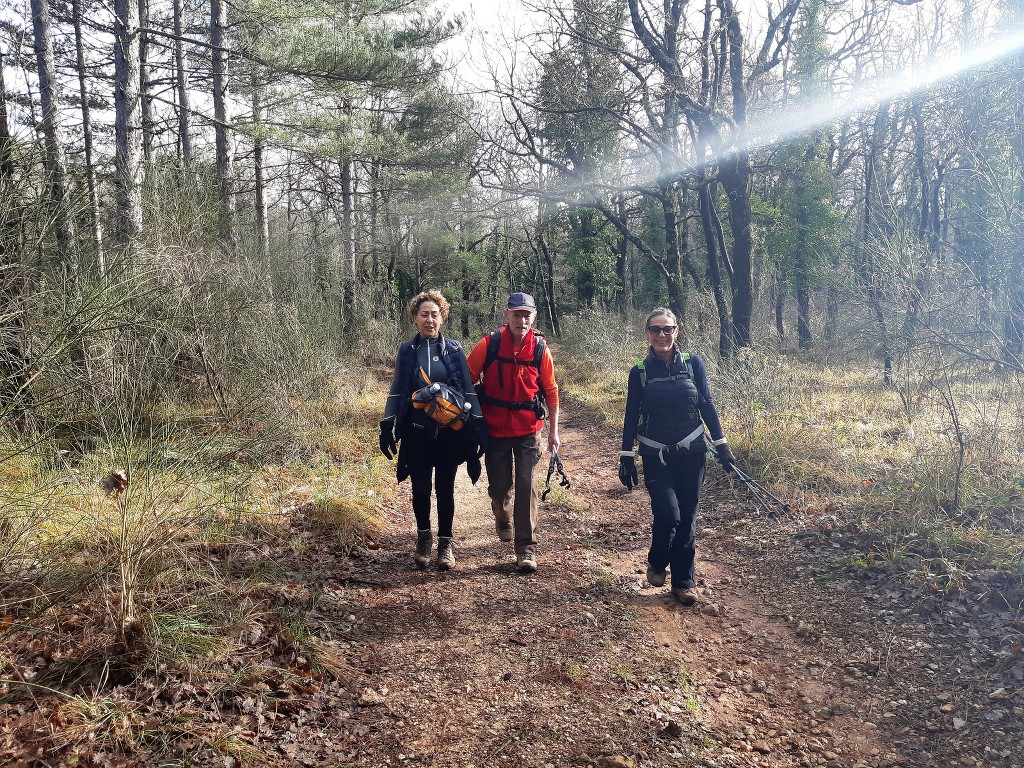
x: 656, y: 330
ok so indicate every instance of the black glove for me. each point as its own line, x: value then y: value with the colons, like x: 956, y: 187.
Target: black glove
x: 387, y: 443
x: 627, y: 472
x: 483, y: 440
x: 726, y: 457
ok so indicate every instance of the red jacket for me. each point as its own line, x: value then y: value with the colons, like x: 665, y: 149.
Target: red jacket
x: 517, y: 382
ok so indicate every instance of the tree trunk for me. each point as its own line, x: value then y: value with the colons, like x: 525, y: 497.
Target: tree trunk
x: 127, y: 125
x: 222, y: 127
x: 780, y: 311
x: 144, y: 86
x: 181, y: 88
x: 90, y: 163
x: 624, y: 296
x: 725, y: 333
x: 866, y: 272
x: 547, y: 276
x: 735, y: 173
x: 348, y: 244
x: 262, y: 222
x: 56, y: 169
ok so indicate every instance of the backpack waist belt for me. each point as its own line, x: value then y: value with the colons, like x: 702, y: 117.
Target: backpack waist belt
x: 682, y: 445
x: 529, y: 405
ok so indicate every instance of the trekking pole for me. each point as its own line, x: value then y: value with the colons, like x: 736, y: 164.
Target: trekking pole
x: 554, y: 463
x: 765, y: 498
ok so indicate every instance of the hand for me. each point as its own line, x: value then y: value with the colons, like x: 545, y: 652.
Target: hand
x: 554, y: 441
x: 387, y: 443
x: 483, y: 440
x: 627, y: 472
x: 726, y: 457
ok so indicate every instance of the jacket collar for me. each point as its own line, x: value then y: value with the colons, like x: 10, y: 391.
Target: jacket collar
x: 652, y: 357
x: 418, y: 341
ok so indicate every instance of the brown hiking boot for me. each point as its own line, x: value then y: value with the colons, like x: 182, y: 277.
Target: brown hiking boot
x: 445, y: 553
x: 685, y: 595
x: 655, y: 577
x: 424, y: 544
x: 526, y: 562
x: 502, y: 520
x: 504, y: 530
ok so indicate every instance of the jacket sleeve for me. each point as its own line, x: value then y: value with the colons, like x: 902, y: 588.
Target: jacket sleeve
x: 470, y: 392
x: 708, y: 412
x: 547, y: 378
x: 476, y: 358
x: 634, y: 398
x: 393, y: 405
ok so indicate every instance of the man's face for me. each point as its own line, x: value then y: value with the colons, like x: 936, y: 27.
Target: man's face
x: 519, y: 322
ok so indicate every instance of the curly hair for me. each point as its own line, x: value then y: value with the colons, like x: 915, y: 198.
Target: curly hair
x: 435, y: 296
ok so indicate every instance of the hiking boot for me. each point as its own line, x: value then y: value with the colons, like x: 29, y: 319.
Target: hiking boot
x: 526, y: 562
x: 445, y: 553
x: 504, y: 530
x: 655, y: 577
x: 685, y: 595
x: 424, y: 544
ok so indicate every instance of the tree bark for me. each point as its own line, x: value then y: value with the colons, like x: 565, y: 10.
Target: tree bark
x: 87, y: 139
x: 128, y: 171
x: 56, y: 168
x: 735, y: 172
x: 181, y: 89
x: 725, y: 331
x: 222, y: 127
x: 866, y: 271
x: 144, y: 86
x: 262, y: 221
x: 348, y: 192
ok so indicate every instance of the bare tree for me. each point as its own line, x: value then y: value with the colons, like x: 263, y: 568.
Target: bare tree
x: 181, y: 89
x: 87, y: 137
x: 128, y: 168
x: 56, y: 169
x: 222, y: 125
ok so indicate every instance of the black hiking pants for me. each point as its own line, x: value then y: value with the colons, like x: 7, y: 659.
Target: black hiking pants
x: 674, y: 488
x: 434, y: 456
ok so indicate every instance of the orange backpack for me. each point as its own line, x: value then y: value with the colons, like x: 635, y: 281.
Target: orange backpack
x: 446, y: 406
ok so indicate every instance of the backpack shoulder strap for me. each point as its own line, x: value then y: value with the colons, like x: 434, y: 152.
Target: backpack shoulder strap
x: 538, y: 349
x: 643, y: 374
x: 493, y: 344
x: 687, y: 363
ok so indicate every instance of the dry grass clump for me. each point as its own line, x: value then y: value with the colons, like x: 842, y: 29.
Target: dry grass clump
x: 595, y: 353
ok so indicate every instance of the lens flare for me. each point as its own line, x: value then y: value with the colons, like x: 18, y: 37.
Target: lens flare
x: 795, y: 121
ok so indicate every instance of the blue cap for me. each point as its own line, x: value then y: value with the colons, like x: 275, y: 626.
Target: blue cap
x: 521, y: 301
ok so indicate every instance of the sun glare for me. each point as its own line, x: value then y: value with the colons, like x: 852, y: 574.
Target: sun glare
x: 795, y: 121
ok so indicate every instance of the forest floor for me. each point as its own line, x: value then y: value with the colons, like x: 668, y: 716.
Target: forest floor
x: 808, y: 648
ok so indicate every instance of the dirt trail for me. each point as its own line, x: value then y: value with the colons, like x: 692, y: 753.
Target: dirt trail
x: 582, y: 663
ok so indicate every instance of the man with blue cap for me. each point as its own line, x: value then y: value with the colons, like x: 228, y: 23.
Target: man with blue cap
x: 517, y: 382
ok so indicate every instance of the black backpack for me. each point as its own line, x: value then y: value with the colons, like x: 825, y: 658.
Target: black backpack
x: 493, y: 345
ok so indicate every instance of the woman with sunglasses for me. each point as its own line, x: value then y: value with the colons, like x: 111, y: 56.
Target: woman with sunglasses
x: 670, y: 414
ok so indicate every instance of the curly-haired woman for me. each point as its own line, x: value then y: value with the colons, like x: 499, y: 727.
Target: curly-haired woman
x: 430, y: 454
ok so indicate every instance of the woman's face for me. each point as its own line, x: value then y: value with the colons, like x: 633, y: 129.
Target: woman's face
x: 428, y: 320
x: 656, y: 333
